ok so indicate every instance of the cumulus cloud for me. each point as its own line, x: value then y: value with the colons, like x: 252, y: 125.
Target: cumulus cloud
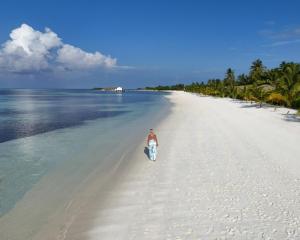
x: 73, y: 57
x: 29, y: 50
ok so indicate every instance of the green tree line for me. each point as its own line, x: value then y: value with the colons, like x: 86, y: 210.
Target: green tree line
x: 277, y: 86
x: 177, y: 87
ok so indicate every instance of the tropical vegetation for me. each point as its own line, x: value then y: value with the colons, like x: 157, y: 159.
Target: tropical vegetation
x: 278, y: 86
x: 166, y: 88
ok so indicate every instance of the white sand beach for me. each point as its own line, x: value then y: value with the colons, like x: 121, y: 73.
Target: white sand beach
x: 225, y: 170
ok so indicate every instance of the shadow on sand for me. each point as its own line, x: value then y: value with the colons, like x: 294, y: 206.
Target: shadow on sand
x: 257, y: 105
x: 146, y: 151
x: 291, y: 117
x: 249, y: 104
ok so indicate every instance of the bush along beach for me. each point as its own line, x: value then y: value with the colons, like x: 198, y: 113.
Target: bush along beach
x: 278, y: 86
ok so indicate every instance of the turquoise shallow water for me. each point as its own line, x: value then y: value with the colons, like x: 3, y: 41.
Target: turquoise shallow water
x: 43, y: 131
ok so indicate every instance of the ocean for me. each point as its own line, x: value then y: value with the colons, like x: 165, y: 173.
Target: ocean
x: 70, y: 132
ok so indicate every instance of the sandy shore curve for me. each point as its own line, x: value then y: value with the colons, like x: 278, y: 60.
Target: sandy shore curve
x: 225, y: 170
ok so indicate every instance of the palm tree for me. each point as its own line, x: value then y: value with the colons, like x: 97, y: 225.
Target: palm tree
x: 282, y: 65
x: 258, y: 94
x: 243, y: 79
x: 229, y: 77
x: 272, y: 76
x: 245, y: 93
x: 229, y: 83
x: 289, y: 82
x: 257, y: 71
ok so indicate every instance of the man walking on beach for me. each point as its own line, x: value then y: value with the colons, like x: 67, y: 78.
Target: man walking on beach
x: 152, y: 144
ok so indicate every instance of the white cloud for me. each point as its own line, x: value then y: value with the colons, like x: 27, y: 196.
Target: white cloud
x: 282, y: 37
x: 282, y: 43
x: 75, y: 58
x: 29, y: 50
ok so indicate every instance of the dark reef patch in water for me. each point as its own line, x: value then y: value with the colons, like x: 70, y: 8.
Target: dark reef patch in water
x: 18, y: 129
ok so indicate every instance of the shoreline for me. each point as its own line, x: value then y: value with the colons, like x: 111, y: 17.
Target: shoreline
x: 225, y: 169
x: 94, y: 191
x: 45, y: 212
x: 208, y: 181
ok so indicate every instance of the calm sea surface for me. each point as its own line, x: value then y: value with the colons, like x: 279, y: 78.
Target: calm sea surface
x: 43, y: 129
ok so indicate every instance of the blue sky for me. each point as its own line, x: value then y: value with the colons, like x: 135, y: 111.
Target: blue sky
x: 141, y: 43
